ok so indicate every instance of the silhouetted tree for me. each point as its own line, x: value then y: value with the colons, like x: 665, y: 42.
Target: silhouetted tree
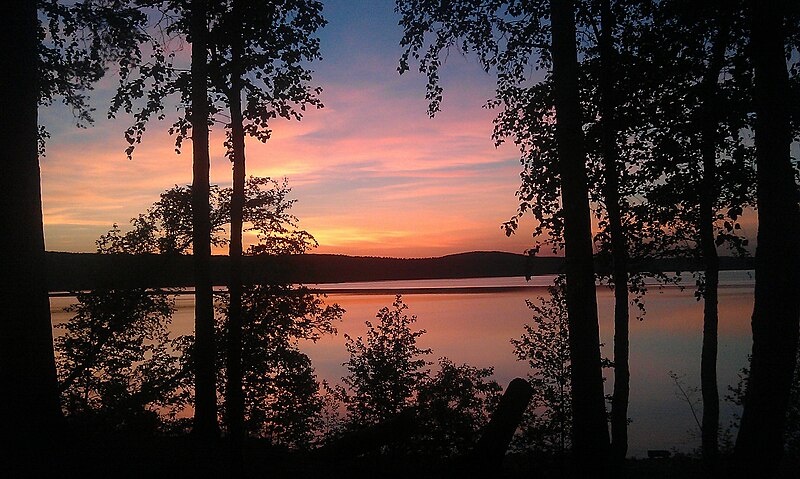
x: 118, y: 365
x: 153, y: 80
x: 606, y: 53
x: 117, y: 334
x: 28, y: 369
x: 59, y: 51
x: 282, y: 400
x: 235, y: 396
x: 776, y: 314
x: 547, y: 425
x: 611, y: 116
x: 608, y: 86
x: 792, y: 433
x: 255, y: 49
x: 453, y: 406
x: 280, y: 391
x: 736, y: 396
x: 694, y: 78
x: 166, y: 227
x: 709, y: 125
x: 590, y: 433
x: 389, y: 376
x: 545, y: 346
x: 523, y: 30
x: 258, y: 50
x: 384, y: 368
x: 205, y: 405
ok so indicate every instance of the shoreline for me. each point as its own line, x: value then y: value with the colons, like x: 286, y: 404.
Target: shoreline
x: 387, y: 290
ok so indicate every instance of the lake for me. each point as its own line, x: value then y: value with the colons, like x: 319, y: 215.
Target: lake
x: 473, y: 320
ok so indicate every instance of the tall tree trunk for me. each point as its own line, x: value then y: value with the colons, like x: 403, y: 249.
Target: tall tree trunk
x: 235, y: 395
x: 619, y: 242
x: 776, y: 313
x: 590, y: 430
x: 205, y: 413
x: 708, y: 356
x: 29, y: 401
x: 709, y: 192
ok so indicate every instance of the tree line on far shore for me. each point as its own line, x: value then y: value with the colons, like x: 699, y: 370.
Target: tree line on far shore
x: 83, y: 271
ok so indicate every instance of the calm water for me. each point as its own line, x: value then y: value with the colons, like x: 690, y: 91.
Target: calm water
x: 473, y: 320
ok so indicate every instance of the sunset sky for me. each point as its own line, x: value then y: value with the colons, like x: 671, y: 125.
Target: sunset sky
x: 372, y: 173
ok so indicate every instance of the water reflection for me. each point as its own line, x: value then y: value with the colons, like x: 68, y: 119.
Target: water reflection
x: 476, y: 327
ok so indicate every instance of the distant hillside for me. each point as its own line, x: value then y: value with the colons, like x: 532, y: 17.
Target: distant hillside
x: 77, y: 271
x: 81, y: 271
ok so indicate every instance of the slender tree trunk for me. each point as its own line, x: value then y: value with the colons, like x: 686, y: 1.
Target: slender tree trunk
x: 708, y: 360
x: 205, y: 413
x: 709, y: 192
x: 776, y: 313
x: 590, y: 431
x: 619, y: 243
x: 235, y: 396
x: 29, y: 399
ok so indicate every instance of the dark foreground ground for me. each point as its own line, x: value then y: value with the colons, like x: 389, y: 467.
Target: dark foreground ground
x: 175, y: 457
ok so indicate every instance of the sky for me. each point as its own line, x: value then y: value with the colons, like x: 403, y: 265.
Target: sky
x: 372, y: 173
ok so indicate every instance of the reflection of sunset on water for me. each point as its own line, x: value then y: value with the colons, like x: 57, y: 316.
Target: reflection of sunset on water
x: 476, y: 329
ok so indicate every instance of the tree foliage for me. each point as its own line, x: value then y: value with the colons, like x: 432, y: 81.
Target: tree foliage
x: 389, y: 374
x: 545, y: 346
x: 736, y: 396
x: 277, y: 40
x: 120, y: 367
x: 281, y: 391
x: 680, y: 50
x: 385, y: 367
x: 77, y: 41
x: 118, y: 363
x: 59, y: 51
x: 514, y: 39
x: 166, y: 227
x: 453, y: 405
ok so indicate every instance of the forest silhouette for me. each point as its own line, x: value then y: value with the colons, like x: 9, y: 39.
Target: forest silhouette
x: 655, y: 126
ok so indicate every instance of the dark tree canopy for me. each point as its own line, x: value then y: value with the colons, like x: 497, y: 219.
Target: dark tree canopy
x: 276, y: 40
